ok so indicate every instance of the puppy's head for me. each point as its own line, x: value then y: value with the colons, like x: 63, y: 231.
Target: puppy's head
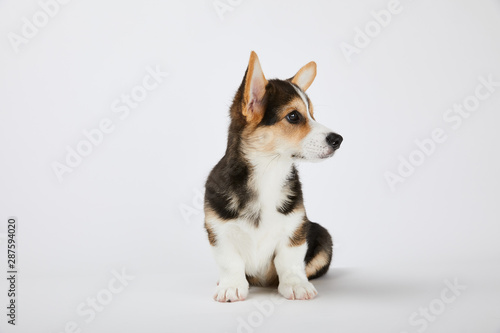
x: 277, y: 117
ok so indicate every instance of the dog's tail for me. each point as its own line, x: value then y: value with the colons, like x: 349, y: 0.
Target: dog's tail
x: 319, y: 251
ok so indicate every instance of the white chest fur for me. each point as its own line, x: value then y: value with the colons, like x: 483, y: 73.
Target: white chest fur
x: 257, y: 244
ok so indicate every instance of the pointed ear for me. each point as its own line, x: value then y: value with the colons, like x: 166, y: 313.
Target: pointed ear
x: 305, y: 76
x: 255, y: 88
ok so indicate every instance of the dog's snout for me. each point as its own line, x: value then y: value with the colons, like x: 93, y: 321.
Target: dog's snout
x: 334, y: 140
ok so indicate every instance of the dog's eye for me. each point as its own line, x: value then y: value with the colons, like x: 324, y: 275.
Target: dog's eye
x: 293, y: 117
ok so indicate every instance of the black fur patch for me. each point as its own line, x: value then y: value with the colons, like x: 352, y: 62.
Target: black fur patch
x: 278, y: 93
x: 318, y: 240
x: 227, y: 189
x: 294, y: 198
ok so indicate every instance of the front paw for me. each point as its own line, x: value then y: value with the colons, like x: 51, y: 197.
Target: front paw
x: 231, y: 291
x: 297, y: 290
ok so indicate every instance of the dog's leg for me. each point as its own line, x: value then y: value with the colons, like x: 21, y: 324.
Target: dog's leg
x: 290, y: 266
x: 233, y: 285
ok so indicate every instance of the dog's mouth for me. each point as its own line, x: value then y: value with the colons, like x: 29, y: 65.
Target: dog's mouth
x: 323, y: 156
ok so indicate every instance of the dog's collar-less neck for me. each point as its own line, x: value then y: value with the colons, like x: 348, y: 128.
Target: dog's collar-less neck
x: 273, y: 165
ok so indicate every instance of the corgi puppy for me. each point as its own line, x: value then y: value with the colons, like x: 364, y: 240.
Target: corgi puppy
x: 254, y: 211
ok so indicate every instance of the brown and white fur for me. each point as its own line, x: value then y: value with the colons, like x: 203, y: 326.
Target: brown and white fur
x: 254, y: 213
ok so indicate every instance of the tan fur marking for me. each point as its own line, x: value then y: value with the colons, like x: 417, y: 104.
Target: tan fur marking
x: 269, y: 280
x: 271, y: 276
x: 318, y: 262
x: 299, y: 131
x: 253, y: 281
x: 211, y: 235
x: 282, y: 134
x: 299, y: 236
x: 210, y: 215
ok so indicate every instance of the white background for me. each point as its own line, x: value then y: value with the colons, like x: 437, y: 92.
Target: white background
x: 121, y: 208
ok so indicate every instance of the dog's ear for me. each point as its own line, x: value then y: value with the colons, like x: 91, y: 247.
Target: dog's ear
x: 305, y: 76
x: 255, y: 89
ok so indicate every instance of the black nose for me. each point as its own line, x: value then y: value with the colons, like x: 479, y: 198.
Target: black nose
x: 334, y: 140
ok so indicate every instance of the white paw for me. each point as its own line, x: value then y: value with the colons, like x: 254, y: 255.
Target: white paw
x: 297, y: 290
x: 231, y: 292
